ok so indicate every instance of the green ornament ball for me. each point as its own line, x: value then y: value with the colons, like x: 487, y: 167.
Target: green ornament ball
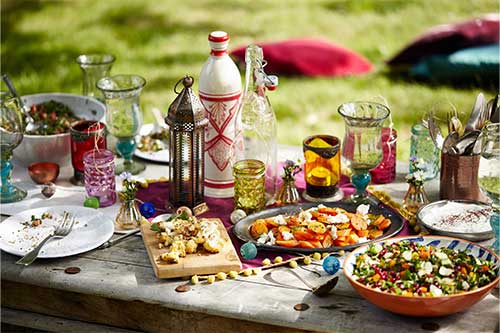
x: 91, y: 202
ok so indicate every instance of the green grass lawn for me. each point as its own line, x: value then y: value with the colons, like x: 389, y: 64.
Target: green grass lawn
x: 164, y: 40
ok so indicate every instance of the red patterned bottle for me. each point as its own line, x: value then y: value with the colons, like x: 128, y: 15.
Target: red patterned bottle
x: 220, y: 92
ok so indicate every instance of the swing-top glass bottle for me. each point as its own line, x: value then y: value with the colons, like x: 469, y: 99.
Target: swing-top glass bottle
x: 257, y: 133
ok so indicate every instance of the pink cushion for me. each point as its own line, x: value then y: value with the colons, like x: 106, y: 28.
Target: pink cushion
x: 448, y: 38
x: 309, y: 57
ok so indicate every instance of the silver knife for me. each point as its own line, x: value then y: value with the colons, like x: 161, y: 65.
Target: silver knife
x: 118, y: 240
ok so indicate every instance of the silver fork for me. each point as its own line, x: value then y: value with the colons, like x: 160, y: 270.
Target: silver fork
x: 62, y: 230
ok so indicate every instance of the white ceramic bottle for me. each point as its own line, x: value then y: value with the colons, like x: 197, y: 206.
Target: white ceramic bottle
x: 220, y: 92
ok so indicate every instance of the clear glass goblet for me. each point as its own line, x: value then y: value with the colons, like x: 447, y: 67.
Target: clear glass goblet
x: 94, y: 67
x: 11, y: 134
x: 124, y: 116
x: 362, y: 147
x: 489, y: 176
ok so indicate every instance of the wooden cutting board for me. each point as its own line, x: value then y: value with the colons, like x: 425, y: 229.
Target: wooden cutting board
x: 198, y: 263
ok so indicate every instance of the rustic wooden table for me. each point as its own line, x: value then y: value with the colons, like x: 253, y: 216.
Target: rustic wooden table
x: 116, y: 291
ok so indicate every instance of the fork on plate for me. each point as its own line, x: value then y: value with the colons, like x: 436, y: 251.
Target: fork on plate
x: 62, y: 230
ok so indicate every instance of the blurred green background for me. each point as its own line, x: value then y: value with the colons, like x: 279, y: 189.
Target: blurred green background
x: 164, y: 40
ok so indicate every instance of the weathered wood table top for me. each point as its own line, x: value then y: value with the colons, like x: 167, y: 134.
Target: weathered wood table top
x: 117, y: 291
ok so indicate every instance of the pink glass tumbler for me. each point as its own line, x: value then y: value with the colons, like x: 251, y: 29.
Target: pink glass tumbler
x: 385, y: 172
x: 99, y: 173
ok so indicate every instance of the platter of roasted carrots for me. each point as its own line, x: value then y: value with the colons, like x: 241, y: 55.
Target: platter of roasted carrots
x: 318, y: 227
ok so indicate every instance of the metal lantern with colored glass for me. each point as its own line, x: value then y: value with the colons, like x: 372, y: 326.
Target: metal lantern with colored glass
x: 187, y: 121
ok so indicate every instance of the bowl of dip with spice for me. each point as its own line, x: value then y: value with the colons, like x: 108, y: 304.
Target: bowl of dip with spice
x: 53, y: 114
x: 464, y: 219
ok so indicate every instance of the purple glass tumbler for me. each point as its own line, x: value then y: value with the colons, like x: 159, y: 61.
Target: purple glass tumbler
x: 99, y: 173
x: 385, y: 172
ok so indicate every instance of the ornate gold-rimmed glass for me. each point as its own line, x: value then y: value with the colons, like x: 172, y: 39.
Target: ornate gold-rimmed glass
x: 124, y: 116
x: 249, y: 187
x: 489, y: 176
x: 11, y: 134
x: 362, y: 147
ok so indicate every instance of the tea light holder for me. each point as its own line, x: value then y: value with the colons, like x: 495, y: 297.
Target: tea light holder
x: 86, y: 135
x: 99, y: 166
x: 322, y: 168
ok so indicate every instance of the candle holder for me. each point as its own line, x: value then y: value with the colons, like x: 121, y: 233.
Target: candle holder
x: 11, y: 135
x: 99, y: 166
x: 85, y: 135
x: 322, y: 168
x: 249, y: 186
x: 385, y: 172
x: 362, y: 143
x: 94, y: 67
x: 124, y: 116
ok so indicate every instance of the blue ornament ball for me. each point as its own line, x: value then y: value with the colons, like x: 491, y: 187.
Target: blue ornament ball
x: 331, y: 265
x: 147, y: 209
x: 248, y: 251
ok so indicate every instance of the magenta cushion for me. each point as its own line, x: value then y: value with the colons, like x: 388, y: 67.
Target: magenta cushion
x: 308, y: 57
x: 448, y: 38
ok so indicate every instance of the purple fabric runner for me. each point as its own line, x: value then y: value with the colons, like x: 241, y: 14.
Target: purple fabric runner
x: 157, y: 194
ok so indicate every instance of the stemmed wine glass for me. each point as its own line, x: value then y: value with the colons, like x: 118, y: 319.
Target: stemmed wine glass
x: 11, y: 134
x: 489, y: 176
x: 362, y: 146
x: 124, y: 116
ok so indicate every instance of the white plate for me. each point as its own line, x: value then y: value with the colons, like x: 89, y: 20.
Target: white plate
x: 161, y: 218
x: 161, y: 156
x: 92, y: 229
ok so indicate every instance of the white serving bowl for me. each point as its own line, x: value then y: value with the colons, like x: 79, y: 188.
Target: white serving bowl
x: 56, y: 148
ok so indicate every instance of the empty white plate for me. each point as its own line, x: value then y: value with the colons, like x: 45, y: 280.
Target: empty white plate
x: 91, y: 229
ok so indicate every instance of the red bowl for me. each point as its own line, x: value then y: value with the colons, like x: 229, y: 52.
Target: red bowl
x: 44, y: 172
x: 420, y: 306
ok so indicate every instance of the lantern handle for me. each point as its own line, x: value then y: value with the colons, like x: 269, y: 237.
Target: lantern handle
x: 187, y: 81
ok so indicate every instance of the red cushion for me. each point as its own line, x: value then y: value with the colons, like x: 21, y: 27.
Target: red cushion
x: 448, y: 38
x: 309, y: 57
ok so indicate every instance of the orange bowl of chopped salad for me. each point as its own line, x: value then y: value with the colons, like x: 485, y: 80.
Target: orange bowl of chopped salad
x: 424, y: 276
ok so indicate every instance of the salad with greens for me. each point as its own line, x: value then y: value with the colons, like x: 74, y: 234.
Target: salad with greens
x: 409, y: 269
x: 52, y: 117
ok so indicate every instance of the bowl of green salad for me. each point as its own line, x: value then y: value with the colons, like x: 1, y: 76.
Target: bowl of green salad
x: 424, y: 276
x: 53, y: 114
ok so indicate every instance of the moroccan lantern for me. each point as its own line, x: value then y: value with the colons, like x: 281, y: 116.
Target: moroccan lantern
x: 187, y: 122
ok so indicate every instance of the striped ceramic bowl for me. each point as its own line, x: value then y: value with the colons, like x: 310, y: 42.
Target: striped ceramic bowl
x: 418, y: 305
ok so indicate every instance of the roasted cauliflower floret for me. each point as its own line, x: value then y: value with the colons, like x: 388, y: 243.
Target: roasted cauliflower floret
x: 179, y: 247
x: 213, y: 245
x: 170, y: 257
x: 191, y: 246
x: 165, y: 238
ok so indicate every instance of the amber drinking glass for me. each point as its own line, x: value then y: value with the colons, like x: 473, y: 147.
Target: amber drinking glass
x: 322, y: 168
x: 249, y: 189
